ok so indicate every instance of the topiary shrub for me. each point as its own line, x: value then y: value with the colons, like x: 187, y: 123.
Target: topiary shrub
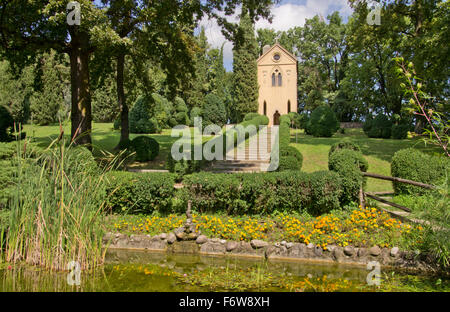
x: 344, y: 144
x: 139, y: 117
x: 349, y: 164
x: 181, y: 112
x: 290, y: 159
x: 400, y: 131
x: 414, y: 165
x: 323, y: 122
x: 250, y: 116
x: 6, y: 125
x: 195, y: 112
x: 214, y: 111
x: 380, y: 127
x: 146, y: 148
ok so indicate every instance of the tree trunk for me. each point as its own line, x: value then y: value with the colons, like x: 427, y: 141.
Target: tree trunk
x: 81, y: 96
x: 124, y: 124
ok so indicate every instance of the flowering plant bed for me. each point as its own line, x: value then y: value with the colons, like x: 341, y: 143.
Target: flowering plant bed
x: 358, y: 227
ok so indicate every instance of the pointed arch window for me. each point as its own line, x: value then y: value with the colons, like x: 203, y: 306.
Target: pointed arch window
x: 280, y: 80
x: 273, y: 80
x: 265, y: 108
x: 289, y: 106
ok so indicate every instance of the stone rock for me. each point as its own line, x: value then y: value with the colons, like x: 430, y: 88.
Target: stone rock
x: 223, y: 241
x: 375, y: 251
x: 394, y: 252
x: 277, y: 245
x: 184, y: 247
x: 171, y: 238
x: 310, y: 246
x: 362, y: 252
x: 297, y: 250
x: 283, y: 243
x: 349, y: 251
x: 338, y: 253
x: 212, y: 247
x: 256, y: 243
x: 201, y: 239
x: 245, y: 248
x: 163, y: 236
x: 231, y: 245
x: 215, y: 240
x: 318, y: 251
x: 289, y: 245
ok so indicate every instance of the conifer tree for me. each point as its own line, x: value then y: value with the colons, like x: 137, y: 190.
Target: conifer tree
x: 245, y: 54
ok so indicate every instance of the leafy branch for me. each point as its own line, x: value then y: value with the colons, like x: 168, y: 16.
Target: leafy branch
x: 420, y: 106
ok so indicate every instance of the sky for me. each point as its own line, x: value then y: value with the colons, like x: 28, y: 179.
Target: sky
x: 286, y: 14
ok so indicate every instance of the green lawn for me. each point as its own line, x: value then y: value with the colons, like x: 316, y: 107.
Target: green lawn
x: 105, y: 138
x: 378, y: 152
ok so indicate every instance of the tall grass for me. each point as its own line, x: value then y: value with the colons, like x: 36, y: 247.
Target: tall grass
x: 55, y: 214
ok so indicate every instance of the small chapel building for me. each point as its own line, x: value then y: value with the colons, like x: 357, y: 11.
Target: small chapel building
x: 277, y: 80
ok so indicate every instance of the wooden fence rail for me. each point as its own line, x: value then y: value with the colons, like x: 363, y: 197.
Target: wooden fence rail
x: 363, y: 194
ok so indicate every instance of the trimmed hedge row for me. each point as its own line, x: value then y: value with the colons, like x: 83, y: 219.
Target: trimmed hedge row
x: 290, y: 158
x: 129, y: 192
x: 262, y: 193
x: 412, y: 164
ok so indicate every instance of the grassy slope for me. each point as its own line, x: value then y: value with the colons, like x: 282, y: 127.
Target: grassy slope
x: 378, y: 153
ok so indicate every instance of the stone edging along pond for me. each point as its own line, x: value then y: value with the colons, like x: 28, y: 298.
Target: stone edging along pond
x: 200, y: 244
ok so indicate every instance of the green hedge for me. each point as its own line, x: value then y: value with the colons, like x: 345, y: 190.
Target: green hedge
x: 263, y: 193
x: 289, y: 158
x: 400, y: 131
x: 349, y: 164
x: 135, y: 193
x: 412, y: 164
x: 380, y: 127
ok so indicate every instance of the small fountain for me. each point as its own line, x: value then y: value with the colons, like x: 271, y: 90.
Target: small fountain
x: 186, y: 235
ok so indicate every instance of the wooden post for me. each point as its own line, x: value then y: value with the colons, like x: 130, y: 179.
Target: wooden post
x: 362, y: 200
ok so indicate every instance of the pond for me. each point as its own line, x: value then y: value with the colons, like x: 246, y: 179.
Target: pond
x: 138, y: 271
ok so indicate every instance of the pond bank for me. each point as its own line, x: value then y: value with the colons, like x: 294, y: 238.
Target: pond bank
x: 201, y: 245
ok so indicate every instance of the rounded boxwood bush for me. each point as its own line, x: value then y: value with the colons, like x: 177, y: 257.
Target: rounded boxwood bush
x: 415, y: 165
x: 349, y: 164
x: 289, y: 163
x: 146, y: 148
x: 380, y: 127
x: 287, y: 157
x: 344, y: 144
x: 400, y: 131
x: 323, y: 122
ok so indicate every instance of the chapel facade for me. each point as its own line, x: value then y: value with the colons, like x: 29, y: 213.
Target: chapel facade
x: 277, y: 80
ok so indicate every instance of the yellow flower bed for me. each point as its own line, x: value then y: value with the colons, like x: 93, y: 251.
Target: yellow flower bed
x: 360, y: 227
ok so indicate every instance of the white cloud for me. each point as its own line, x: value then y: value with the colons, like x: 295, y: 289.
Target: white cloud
x: 285, y: 16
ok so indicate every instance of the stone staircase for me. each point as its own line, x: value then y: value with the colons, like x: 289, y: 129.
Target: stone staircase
x: 246, y: 158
